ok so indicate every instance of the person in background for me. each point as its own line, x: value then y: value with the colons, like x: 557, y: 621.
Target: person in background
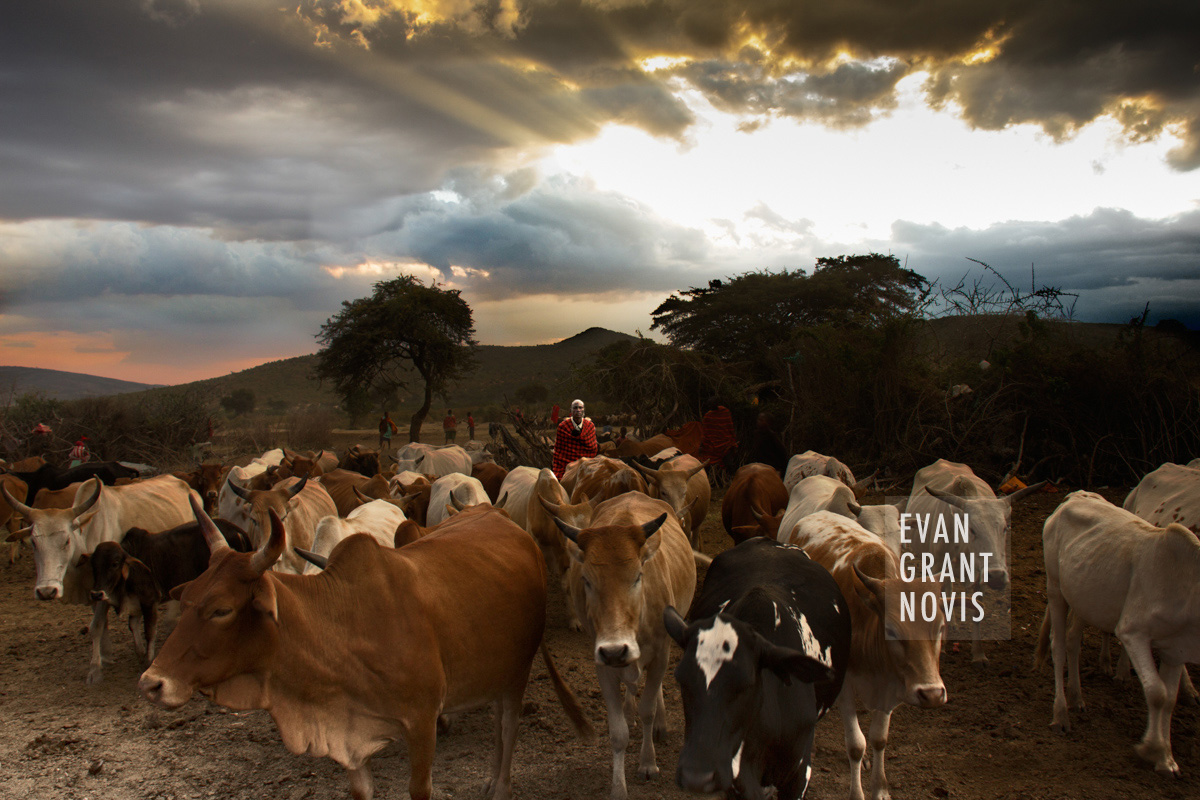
x: 79, y: 453
x: 575, y: 438
x: 387, y: 429
x: 450, y: 426
x: 470, y: 426
x: 767, y: 448
x: 554, y: 413
x: 719, y: 444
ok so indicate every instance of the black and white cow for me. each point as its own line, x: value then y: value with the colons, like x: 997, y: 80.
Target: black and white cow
x: 764, y: 657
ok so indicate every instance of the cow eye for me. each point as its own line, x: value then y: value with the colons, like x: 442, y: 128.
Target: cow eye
x: 220, y: 613
x: 638, y: 580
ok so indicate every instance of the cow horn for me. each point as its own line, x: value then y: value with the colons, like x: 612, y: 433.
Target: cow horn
x: 568, y: 531
x: 503, y: 499
x: 553, y: 509
x: 420, y: 458
x: 297, y: 488
x: 264, y: 559
x: 694, y: 472
x: 216, y: 542
x: 238, y: 489
x: 25, y: 510
x: 651, y: 527
x: 874, y: 585
x: 317, y: 561
x: 854, y: 508
x: 953, y: 499
x: 458, y: 504
x: 652, y: 474
x: 861, y: 487
x: 361, y: 497
x: 1021, y: 494
x: 82, y: 508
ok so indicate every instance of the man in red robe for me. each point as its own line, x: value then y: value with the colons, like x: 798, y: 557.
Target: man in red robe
x: 575, y: 439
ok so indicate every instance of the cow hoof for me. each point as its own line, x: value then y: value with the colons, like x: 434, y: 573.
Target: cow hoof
x: 981, y: 664
x: 443, y: 724
x: 1060, y: 727
x: 574, y: 625
x: 95, y: 675
x: 648, y: 773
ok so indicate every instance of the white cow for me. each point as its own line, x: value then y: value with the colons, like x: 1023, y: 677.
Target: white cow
x: 683, y: 483
x: 378, y: 519
x: 100, y: 514
x: 811, y: 463
x: 515, y: 493
x: 1119, y: 573
x: 456, y: 490
x: 946, y: 491
x: 1169, y: 494
x: 431, y: 460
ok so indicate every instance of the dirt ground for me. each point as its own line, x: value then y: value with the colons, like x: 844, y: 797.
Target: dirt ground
x: 61, y: 738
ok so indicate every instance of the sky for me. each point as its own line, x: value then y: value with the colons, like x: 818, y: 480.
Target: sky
x: 192, y: 187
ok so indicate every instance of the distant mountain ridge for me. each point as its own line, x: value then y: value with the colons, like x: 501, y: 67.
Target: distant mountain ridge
x: 288, y: 382
x: 64, y: 385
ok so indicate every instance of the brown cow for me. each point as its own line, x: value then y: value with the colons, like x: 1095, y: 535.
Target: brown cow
x: 630, y: 563
x: 206, y: 479
x: 892, y: 660
x: 342, y: 483
x: 491, y: 475
x: 755, y: 493
x: 682, y: 482
x: 366, y: 652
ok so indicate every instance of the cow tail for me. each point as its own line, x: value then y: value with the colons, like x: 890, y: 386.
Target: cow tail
x: 579, y: 721
x: 1043, y: 644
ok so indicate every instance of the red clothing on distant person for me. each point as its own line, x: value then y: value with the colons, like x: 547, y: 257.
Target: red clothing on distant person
x: 80, y: 451
x: 571, y: 444
x: 719, y: 438
x: 450, y: 422
x: 554, y: 415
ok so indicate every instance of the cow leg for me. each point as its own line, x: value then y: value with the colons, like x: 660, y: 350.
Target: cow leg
x: 1188, y: 694
x: 618, y: 727
x: 150, y: 628
x: 856, y: 743
x: 508, y: 719
x: 978, y: 656
x: 98, y: 633
x: 1106, y: 667
x: 654, y: 723
x: 421, y: 736
x: 1161, y: 688
x: 1058, y: 649
x: 881, y: 720
x: 573, y: 622
x: 1074, y: 643
x: 136, y: 621
x: 362, y: 786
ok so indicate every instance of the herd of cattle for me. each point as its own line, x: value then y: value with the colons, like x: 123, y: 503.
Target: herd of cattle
x: 359, y: 605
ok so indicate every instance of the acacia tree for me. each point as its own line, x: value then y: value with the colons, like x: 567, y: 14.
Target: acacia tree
x: 375, y: 343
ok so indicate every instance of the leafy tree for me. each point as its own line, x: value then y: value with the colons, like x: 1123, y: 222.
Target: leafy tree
x: 239, y: 401
x: 375, y: 343
x: 737, y: 318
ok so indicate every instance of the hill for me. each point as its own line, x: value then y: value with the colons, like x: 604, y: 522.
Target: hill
x: 62, y: 385
x: 287, y: 383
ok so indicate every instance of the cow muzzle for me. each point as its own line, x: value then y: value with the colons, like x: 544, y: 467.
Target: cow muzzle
x: 697, y: 781
x: 997, y: 581
x: 617, y: 654
x: 98, y: 597
x: 930, y: 696
x: 162, y: 691
x: 50, y: 591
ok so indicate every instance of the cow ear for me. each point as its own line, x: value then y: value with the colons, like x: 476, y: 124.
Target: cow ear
x: 789, y: 664
x: 84, y: 558
x: 676, y: 626
x: 19, y: 535
x: 178, y: 591
x: 125, y: 571
x: 264, y: 598
x: 870, y: 591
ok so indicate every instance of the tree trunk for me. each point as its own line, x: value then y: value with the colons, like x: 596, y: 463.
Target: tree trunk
x: 418, y: 417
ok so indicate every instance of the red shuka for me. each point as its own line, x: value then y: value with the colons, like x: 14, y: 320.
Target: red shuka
x: 719, y: 438
x: 571, y: 445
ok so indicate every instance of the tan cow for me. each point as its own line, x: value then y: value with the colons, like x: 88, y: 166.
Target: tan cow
x: 300, y: 503
x: 811, y: 463
x: 600, y: 478
x: 893, y: 660
x: 1117, y: 572
x: 9, y: 518
x: 372, y: 649
x: 682, y: 482
x: 630, y: 563
x: 548, y: 501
